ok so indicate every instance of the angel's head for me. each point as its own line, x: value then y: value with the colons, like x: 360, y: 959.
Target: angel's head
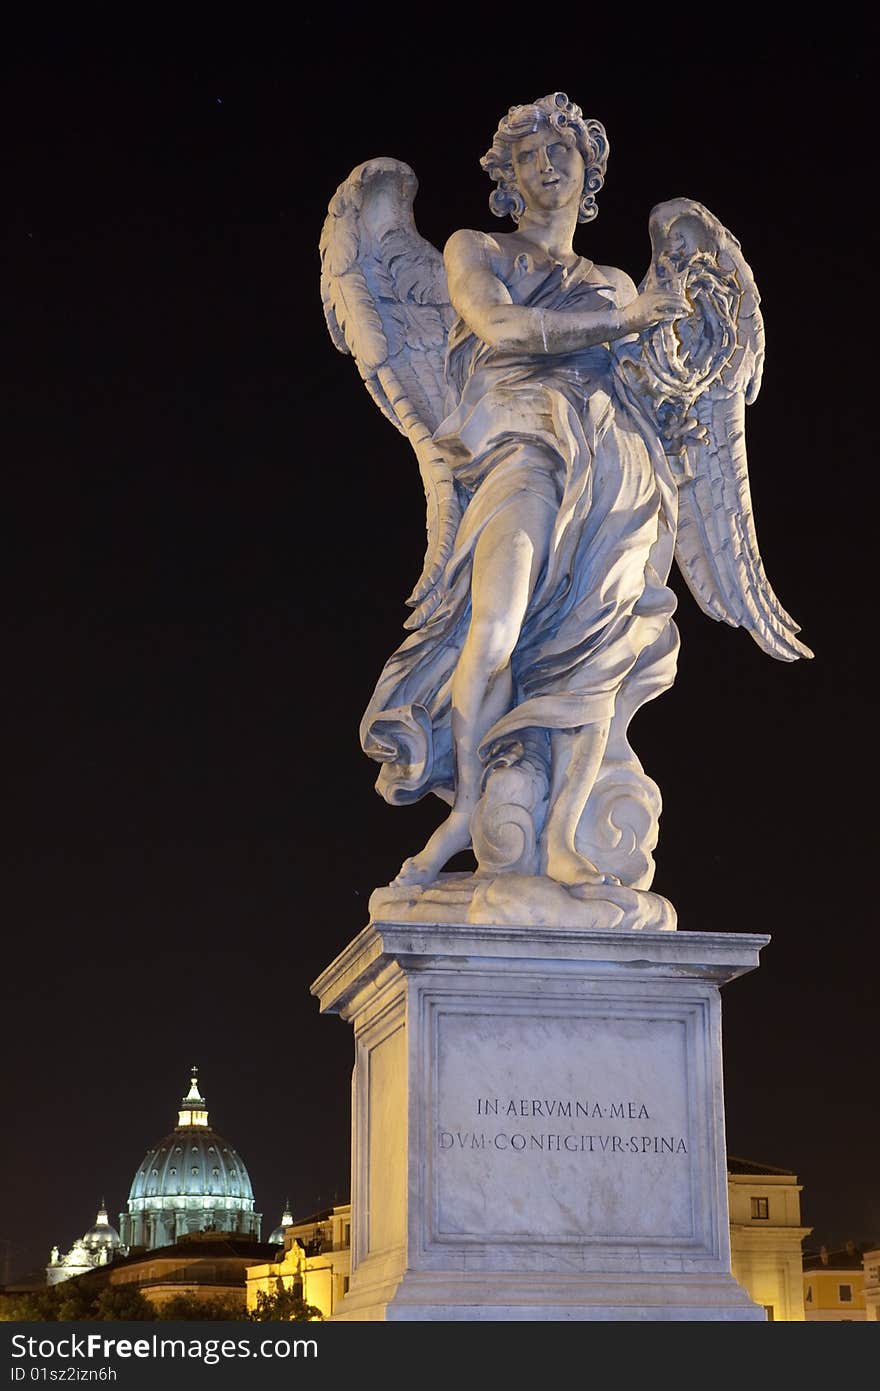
x: 560, y: 118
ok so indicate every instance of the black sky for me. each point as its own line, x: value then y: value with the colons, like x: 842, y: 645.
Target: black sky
x: 210, y: 530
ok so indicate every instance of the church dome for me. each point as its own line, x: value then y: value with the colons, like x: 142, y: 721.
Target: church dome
x: 277, y: 1237
x: 192, y: 1164
x: 192, y: 1180
x: 98, y: 1247
x: 101, y: 1234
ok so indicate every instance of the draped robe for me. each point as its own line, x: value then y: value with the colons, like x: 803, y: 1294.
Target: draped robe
x: 598, y: 638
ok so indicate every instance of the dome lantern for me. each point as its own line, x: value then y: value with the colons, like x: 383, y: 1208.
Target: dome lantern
x: 101, y: 1234
x: 193, y: 1109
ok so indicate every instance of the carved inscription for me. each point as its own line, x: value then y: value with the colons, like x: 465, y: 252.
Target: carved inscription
x: 542, y: 1140
x: 532, y: 1106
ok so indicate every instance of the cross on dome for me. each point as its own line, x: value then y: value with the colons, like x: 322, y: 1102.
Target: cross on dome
x: 193, y: 1110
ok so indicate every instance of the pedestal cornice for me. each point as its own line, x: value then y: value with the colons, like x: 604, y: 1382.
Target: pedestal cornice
x: 371, y: 958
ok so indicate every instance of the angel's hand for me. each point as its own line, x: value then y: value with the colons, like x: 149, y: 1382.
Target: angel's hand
x: 678, y: 430
x: 686, y: 432
x: 653, y: 307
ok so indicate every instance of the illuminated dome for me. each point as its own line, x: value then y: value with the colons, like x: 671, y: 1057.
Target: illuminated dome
x: 102, y: 1234
x: 98, y: 1247
x: 277, y: 1237
x: 192, y: 1180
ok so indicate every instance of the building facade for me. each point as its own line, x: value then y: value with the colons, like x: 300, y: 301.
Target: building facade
x: 315, y: 1262
x: 766, y: 1236
x: 209, y: 1267
x: 834, y: 1285
x: 871, y: 1268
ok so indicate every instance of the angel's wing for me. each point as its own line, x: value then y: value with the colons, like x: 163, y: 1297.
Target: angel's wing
x: 386, y: 302
x: 708, y: 366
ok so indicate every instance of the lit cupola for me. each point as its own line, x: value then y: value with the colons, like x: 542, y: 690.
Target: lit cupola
x: 277, y: 1237
x: 101, y: 1234
x: 191, y: 1181
x: 193, y: 1110
x: 98, y: 1246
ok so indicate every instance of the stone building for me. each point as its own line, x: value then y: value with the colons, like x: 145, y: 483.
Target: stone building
x: 834, y: 1285
x: 207, y: 1266
x: 315, y: 1262
x: 871, y: 1264
x: 766, y: 1236
x: 192, y: 1180
x: 97, y: 1247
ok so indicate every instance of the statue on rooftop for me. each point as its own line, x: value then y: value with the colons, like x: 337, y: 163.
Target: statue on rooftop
x: 575, y: 435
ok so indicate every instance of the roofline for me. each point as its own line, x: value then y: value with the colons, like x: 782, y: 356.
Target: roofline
x: 757, y: 1164
x: 320, y: 1216
x: 195, y: 1249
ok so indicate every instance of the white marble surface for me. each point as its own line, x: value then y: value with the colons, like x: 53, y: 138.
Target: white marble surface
x: 541, y: 1102
x: 524, y: 900
x: 562, y: 1126
x: 575, y: 434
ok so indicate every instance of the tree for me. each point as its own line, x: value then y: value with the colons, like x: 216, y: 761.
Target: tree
x: 121, y: 1302
x: 192, y: 1306
x: 286, y: 1305
x: 25, y: 1307
x: 75, y: 1300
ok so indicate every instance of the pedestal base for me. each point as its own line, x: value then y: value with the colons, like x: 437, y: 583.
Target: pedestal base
x: 420, y: 1299
x: 537, y: 1123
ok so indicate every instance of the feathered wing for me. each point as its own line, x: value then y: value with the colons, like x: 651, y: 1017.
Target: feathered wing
x: 386, y: 302
x: 702, y: 371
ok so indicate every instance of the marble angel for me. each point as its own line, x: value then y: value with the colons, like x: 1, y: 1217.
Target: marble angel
x: 575, y: 435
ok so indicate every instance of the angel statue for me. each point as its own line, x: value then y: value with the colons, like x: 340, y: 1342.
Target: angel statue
x: 574, y: 434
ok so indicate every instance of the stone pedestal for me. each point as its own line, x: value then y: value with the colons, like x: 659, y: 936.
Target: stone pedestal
x: 538, y: 1122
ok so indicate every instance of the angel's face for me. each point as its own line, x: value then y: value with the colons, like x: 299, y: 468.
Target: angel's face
x: 549, y: 169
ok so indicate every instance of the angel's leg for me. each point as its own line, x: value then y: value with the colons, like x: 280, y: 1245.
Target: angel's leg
x: 576, y: 760
x: 508, y: 559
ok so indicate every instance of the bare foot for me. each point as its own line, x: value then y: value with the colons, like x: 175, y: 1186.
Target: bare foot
x: 567, y: 867
x: 453, y: 835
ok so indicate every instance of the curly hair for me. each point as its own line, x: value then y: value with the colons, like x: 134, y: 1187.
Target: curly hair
x: 555, y: 112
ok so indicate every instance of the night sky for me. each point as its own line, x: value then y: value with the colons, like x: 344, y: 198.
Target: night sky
x: 209, y: 531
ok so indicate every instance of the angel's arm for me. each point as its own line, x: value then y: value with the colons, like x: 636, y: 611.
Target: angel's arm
x: 484, y: 303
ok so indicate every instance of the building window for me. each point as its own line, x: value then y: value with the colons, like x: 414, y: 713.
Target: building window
x: 768, y: 1310
x: 808, y: 1297
x: 346, y: 1281
x: 844, y: 1294
x: 760, y: 1209
x: 346, y: 1234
